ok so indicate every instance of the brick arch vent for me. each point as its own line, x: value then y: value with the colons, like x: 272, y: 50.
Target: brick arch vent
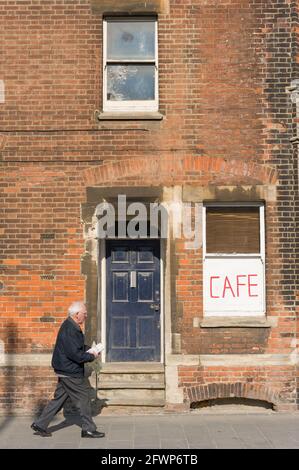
x: 231, y: 390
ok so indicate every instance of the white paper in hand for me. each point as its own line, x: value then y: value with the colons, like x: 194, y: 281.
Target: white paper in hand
x: 96, y: 348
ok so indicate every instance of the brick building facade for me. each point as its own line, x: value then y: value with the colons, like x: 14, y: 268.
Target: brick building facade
x: 221, y: 133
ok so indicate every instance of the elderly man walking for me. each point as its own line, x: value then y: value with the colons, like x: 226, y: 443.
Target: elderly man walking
x: 68, y: 361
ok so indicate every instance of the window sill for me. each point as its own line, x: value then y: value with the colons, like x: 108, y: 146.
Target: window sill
x: 129, y: 116
x: 238, y: 322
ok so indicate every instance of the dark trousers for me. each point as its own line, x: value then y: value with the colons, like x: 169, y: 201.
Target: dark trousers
x: 77, y: 390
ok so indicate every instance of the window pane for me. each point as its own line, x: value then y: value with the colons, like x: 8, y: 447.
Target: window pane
x: 232, y: 230
x: 130, y: 82
x: 131, y: 40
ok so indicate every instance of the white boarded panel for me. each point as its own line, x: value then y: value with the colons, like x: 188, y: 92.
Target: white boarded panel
x: 234, y: 286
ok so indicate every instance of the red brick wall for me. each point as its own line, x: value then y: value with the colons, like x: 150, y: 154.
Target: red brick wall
x: 223, y: 69
x: 41, y: 200
x: 25, y: 389
x: 273, y: 384
x: 209, y: 81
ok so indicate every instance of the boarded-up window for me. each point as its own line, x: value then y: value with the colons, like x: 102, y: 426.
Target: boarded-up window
x: 234, y: 260
x: 232, y: 230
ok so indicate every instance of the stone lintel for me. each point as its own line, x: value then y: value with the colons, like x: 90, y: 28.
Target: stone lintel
x: 232, y: 360
x: 25, y: 360
x: 97, y: 195
x: 132, y: 116
x: 239, y: 322
x: 200, y: 360
x: 246, y: 193
x: 129, y: 6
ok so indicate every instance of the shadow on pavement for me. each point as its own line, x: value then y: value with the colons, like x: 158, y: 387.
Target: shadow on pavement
x: 70, y: 421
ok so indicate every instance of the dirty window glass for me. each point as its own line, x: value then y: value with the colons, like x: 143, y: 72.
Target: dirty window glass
x: 130, y: 82
x: 131, y: 40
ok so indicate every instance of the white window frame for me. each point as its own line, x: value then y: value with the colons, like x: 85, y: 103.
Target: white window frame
x: 130, y: 105
x: 226, y: 256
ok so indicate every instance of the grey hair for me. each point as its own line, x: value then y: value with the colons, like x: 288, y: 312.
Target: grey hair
x: 75, y: 307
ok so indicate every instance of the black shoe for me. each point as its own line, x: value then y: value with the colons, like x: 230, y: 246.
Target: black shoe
x: 40, y: 431
x: 92, y: 434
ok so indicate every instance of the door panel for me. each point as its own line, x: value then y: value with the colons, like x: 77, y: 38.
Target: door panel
x: 120, y: 286
x: 133, y: 300
x: 120, y: 332
x: 145, y: 282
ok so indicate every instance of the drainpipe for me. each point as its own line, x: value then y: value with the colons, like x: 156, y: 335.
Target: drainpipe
x: 293, y: 91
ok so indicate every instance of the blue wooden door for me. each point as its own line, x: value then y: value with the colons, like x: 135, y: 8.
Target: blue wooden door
x: 133, y: 300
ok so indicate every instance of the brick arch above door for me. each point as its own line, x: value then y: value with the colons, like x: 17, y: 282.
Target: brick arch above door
x: 178, y: 170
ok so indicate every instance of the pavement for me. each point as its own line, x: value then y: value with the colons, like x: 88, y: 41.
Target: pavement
x: 193, y: 430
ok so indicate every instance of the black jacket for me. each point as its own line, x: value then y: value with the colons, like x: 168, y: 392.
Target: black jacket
x: 69, y: 353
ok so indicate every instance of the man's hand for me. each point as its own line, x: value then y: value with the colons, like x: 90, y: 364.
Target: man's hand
x: 95, y: 354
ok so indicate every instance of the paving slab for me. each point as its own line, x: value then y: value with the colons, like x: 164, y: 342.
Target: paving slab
x: 174, y: 444
x: 171, y: 431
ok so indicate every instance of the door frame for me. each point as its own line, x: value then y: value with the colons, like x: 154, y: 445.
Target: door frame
x: 102, y: 274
